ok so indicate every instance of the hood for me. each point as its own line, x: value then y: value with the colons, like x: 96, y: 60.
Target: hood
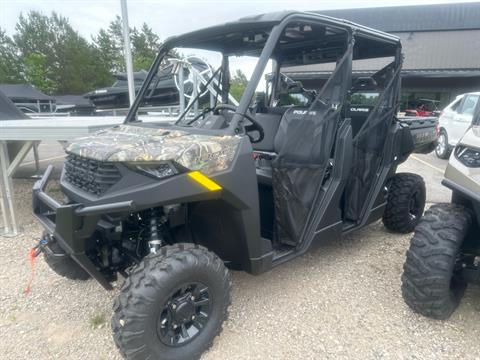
x: 128, y: 143
x: 472, y: 137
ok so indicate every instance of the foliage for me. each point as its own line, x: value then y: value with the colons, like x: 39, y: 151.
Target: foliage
x: 369, y: 99
x: 144, y: 42
x: 37, y: 72
x: 109, y: 43
x: 145, y: 45
x: 55, y: 58
x: 48, y: 53
x: 97, y: 320
x: 10, y: 66
x: 238, y: 84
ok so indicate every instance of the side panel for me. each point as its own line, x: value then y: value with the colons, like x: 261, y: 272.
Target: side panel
x: 239, y: 216
x: 328, y: 222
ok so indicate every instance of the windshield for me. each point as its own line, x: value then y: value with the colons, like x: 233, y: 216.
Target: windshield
x: 192, y: 81
x: 209, y: 72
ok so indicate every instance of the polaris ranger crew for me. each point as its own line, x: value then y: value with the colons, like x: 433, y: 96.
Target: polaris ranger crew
x: 247, y: 187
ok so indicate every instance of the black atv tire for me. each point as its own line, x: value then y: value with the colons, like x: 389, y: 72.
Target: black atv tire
x: 64, y: 265
x: 431, y: 282
x: 144, y: 317
x: 443, y: 152
x: 405, y: 202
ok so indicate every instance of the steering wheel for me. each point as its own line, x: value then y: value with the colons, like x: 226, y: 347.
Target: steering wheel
x: 255, y: 126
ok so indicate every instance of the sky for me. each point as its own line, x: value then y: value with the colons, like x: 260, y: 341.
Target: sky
x: 173, y: 17
x: 170, y: 17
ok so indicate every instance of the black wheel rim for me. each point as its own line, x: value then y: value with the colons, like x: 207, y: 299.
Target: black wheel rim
x: 184, y: 315
x: 414, y: 208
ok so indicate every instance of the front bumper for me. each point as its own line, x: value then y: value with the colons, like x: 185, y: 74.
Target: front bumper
x: 73, y: 224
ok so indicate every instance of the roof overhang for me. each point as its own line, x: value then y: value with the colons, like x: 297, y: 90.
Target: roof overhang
x: 430, y: 74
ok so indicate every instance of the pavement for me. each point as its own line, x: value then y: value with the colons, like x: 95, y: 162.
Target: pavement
x: 339, y: 301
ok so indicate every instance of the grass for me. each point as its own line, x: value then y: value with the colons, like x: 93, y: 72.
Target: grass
x: 98, y: 320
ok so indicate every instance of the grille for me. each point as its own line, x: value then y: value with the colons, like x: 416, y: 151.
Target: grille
x: 94, y: 177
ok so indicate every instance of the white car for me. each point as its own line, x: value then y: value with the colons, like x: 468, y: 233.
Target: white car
x: 454, y: 121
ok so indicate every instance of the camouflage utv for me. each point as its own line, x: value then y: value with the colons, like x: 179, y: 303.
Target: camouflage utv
x: 247, y: 187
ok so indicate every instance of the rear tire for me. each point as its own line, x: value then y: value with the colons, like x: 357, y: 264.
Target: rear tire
x: 405, y: 203
x: 64, y: 265
x: 156, y: 315
x: 442, y: 149
x: 431, y: 282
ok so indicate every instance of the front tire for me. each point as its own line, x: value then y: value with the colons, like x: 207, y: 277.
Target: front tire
x: 172, y: 305
x: 405, y: 202
x: 432, y: 284
x: 442, y: 149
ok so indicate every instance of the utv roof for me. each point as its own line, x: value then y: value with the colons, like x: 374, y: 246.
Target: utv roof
x: 247, y: 35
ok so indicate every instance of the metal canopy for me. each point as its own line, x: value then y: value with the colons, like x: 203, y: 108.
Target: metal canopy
x: 28, y: 133
x: 247, y: 36
x: 23, y: 92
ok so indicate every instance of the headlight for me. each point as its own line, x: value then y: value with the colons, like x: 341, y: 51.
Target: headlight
x: 468, y: 156
x: 158, y: 170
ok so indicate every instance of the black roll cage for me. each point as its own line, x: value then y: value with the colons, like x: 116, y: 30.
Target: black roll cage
x: 278, y: 27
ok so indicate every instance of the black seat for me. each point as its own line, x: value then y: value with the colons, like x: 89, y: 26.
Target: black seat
x: 279, y: 126
x: 295, y: 123
x: 358, y: 114
x: 270, y: 122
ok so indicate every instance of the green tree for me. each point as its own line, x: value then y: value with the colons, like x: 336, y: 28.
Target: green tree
x: 37, y: 72
x: 238, y: 83
x: 68, y: 63
x: 109, y: 43
x: 10, y: 65
x: 144, y: 42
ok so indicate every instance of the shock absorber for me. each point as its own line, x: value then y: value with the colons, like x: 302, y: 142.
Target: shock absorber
x: 153, y: 223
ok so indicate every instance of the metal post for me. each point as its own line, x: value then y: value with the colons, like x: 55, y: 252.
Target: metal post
x: 18, y: 158
x: 36, y: 157
x: 3, y: 204
x: 38, y: 105
x: 7, y: 182
x: 181, y: 91
x: 212, y: 100
x: 127, y: 52
x: 195, y: 93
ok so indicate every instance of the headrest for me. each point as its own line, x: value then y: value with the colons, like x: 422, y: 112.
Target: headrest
x: 364, y: 83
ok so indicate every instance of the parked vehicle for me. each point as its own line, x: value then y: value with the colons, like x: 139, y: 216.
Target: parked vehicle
x: 163, y: 89
x: 443, y: 254
x: 247, y: 187
x: 423, y: 107
x: 455, y: 119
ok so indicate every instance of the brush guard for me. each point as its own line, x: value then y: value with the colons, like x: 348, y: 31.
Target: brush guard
x: 71, y: 225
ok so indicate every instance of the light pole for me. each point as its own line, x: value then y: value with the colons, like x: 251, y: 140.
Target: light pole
x: 127, y: 52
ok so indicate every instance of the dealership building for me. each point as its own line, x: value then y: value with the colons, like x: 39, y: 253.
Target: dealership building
x: 441, y: 45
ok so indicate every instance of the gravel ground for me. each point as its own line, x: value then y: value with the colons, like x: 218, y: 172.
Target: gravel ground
x: 339, y: 301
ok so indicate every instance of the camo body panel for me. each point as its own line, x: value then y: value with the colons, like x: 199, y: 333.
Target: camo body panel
x: 126, y: 143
